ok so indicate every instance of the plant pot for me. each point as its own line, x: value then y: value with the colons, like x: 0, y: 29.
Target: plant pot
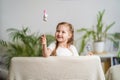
x: 98, y: 47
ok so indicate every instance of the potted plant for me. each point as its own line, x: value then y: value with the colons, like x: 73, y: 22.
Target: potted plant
x: 23, y: 44
x: 97, y: 33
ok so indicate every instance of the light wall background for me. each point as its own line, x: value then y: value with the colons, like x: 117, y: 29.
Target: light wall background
x: 80, y: 13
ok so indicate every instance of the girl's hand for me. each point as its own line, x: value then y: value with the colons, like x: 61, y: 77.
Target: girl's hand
x: 90, y: 53
x: 43, y: 39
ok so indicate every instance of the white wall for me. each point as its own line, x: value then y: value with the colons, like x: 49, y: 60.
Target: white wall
x: 81, y: 13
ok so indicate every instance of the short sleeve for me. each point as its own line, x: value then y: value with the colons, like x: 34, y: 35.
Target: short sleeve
x: 52, y: 46
x: 75, y: 52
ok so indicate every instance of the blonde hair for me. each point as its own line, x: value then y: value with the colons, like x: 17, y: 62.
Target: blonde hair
x: 70, y: 40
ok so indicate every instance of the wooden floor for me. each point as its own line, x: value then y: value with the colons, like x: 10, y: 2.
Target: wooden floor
x: 106, y: 65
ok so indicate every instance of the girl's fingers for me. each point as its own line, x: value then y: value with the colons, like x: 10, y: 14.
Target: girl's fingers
x: 43, y: 36
x: 43, y: 39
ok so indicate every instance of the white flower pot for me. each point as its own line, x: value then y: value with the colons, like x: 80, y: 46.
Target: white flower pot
x: 99, y: 47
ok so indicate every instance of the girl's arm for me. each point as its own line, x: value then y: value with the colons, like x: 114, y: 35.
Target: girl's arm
x: 45, y: 51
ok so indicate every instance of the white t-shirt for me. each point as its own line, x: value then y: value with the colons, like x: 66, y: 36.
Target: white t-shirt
x: 64, y: 51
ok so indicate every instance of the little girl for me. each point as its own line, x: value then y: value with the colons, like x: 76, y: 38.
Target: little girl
x: 64, y: 42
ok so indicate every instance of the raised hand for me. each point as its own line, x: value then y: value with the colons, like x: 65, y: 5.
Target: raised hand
x: 43, y: 39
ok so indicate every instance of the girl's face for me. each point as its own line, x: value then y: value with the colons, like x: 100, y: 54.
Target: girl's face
x: 62, y: 33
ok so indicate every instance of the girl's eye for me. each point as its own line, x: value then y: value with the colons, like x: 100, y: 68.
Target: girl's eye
x: 57, y: 31
x: 63, y: 32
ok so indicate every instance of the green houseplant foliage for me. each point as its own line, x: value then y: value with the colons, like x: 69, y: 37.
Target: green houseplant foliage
x: 116, y: 44
x: 97, y: 33
x: 23, y: 44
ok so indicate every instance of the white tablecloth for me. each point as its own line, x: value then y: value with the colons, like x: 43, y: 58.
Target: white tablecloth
x: 56, y: 68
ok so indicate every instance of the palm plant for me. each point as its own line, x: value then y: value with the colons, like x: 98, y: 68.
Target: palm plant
x: 116, y: 44
x: 23, y: 44
x: 96, y: 33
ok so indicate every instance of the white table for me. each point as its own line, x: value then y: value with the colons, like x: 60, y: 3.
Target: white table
x: 110, y: 55
x: 56, y: 68
x: 106, y: 56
